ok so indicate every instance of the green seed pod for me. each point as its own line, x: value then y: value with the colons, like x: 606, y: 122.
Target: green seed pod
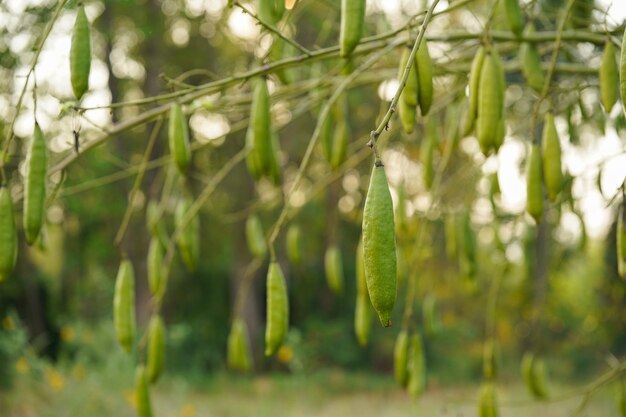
x: 450, y: 229
x: 466, y: 245
x: 294, y: 253
x: 410, y: 93
x: 156, y: 279
x: 534, y: 374
x: 379, y: 245
x: 253, y: 160
x: 124, y: 305
x: 490, y: 363
x: 333, y: 265
x: 531, y: 62
x: 622, y: 72
x: 270, y: 11
x: 277, y: 309
x: 417, y: 366
x: 239, y: 357
x: 8, y: 234
x: 178, y: 133
x: 362, y: 319
x: 429, y: 314
x: 189, y: 240
x: 490, y: 99
x: 255, y: 237
x: 156, y: 348
x: 340, y: 143
x: 609, y: 77
x: 400, y: 358
x: 514, y: 18
x: 80, y: 54
x: 402, y: 222
x: 407, y: 114
x: 142, y: 392
x: 352, y: 17
x: 425, y: 76
x: 283, y: 50
x: 487, y: 403
x: 260, y: 127
x: 35, y: 186
x: 474, y: 85
x: 534, y: 192
x: 326, y: 137
x: 551, y: 153
x: 620, y: 233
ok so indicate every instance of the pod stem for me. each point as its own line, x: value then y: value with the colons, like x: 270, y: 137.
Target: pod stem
x: 384, y: 124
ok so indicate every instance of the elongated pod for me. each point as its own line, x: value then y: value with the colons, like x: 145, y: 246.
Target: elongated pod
x: 35, y: 186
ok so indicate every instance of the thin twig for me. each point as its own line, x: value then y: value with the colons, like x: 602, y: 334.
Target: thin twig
x: 272, y: 29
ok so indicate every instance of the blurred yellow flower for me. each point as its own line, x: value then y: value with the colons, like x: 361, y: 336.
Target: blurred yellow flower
x: 8, y: 323
x: 78, y: 372
x: 131, y: 397
x: 21, y: 365
x: 285, y: 354
x: 55, y: 379
x: 188, y: 410
x: 67, y: 334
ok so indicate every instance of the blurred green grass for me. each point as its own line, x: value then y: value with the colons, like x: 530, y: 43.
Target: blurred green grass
x: 44, y: 391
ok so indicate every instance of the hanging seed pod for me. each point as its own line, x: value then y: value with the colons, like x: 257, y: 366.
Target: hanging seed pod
x: 474, y: 85
x: 534, y: 374
x: 255, y: 237
x: 551, y: 153
x: 333, y: 265
x: 379, y: 245
x: 425, y: 76
x: 178, y: 133
x: 534, y: 191
x: 341, y: 137
x: 142, y: 392
x: 275, y: 173
x: 401, y: 220
x: 260, y: 130
x: 277, y: 307
x: 609, y: 77
x: 490, y: 100
x: 531, y: 62
x: 400, y: 358
x: 487, y: 403
x: 80, y: 54
x: 326, y: 137
x: 429, y: 314
x: 239, y: 357
x: 410, y: 93
x: 189, y: 240
x: 466, y: 246
x: 8, y: 234
x: 156, y: 348
x: 35, y: 186
x: 450, y: 229
x: 417, y: 367
x: 514, y: 17
x: 294, y: 253
x: 620, y: 233
x: 351, y: 29
x: 156, y: 279
x: 407, y: 115
x: 124, y: 305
